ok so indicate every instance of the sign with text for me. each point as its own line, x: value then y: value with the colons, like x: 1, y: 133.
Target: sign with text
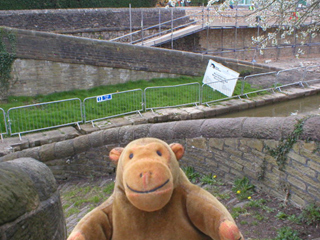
x: 220, y: 78
x: 104, y: 98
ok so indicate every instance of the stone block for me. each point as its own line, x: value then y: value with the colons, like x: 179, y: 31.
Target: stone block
x: 301, y: 194
x: 231, y: 142
x: 239, y: 161
x: 262, y: 128
x: 233, y: 152
x: 81, y: 144
x: 30, y: 152
x: 311, y: 129
x: 309, y: 146
x: 194, y: 112
x: 110, y: 136
x: 126, y: 134
x: 296, y: 182
x: 163, y: 131
x: 223, y: 168
x: 253, y: 143
x: 314, y: 166
x: 212, y: 164
x: 235, y: 174
x: 296, y: 157
x: 233, y: 165
x: 296, y: 147
x: 314, y: 192
x: 289, y: 125
x: 270, y: 144
x: 64, y: 149
x: 297, y: 200
x: 250, y: 173
x: 197, y: 143
x: 18, y: 194
x: 305, y: 170
x: 47, y: 152
x: 217, y: 143
x: 219, y: 128
x: 96, y: 139
x: 310, y: 181
x: 188, y: 129
x: 315, y: 156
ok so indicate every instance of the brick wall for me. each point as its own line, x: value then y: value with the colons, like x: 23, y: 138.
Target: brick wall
x: 230, y: 148
x: 227, y: 39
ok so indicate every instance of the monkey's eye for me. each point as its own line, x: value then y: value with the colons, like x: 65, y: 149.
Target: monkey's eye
x: 131, y: 155
x: 159, y: 153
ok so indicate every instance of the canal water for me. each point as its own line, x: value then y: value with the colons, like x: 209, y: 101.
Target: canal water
x: 299, y: 106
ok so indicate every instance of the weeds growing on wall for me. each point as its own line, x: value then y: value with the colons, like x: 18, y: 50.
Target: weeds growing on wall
x: 285, y: 144
x: 7, y: 57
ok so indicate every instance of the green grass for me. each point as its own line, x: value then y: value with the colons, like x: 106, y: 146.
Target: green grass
x: 91, y: 196
x: 243, y: 188
x: 66, y: 112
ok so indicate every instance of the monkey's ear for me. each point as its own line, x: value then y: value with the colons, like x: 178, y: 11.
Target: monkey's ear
x: 115, y: 153
x: 178, y: 150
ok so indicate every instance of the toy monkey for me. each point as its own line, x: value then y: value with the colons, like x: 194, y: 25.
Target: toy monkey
x: 154, y: 200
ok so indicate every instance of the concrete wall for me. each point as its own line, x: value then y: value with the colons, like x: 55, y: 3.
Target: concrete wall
x: 229, y: 148
x: 55, y: 63
x: 30, y: 206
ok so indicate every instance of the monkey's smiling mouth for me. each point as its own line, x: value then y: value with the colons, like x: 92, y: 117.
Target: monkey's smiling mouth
x: 148, y: 191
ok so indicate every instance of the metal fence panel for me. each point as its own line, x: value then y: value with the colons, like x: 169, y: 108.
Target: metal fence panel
x: 172, y: 96
x: 312, y: 74
x: 289, y: 77
x: 3, y: 123
x: 112, y: 105
x: 259, y: 81
x: 36, y: 117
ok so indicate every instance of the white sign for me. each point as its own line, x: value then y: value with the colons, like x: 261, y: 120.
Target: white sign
x: 104, y: 98
x: 220, y: 78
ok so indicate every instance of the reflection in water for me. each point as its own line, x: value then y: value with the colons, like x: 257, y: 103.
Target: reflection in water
x: 306, y: 105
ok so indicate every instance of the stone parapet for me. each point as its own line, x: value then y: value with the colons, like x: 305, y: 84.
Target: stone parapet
x: 230, y: 148
x: 30, y: 206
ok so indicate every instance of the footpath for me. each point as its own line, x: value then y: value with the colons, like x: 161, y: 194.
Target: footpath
x: 14, y: 144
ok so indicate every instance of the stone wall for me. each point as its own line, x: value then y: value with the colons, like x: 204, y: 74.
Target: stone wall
x: 56, y: 63
x: 30, y: 206
x: 87, y: 20
x: 230, y: 148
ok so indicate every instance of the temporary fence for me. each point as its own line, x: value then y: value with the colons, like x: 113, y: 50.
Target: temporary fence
x: 43, y: 116
x: 259, y: 80
x: 290, y: 77
x: 209, y: 92
x: 112, y: 105
x: 172, y: 96
x: 3, y: 124
x: 312, y: 75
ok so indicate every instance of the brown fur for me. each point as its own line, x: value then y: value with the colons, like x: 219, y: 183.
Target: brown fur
x: 153, y: 199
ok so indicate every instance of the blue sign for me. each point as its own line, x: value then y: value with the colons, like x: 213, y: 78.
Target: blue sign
x: 104, y: 98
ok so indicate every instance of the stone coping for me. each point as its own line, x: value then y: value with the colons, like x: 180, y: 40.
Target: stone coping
x: 168, y: 117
